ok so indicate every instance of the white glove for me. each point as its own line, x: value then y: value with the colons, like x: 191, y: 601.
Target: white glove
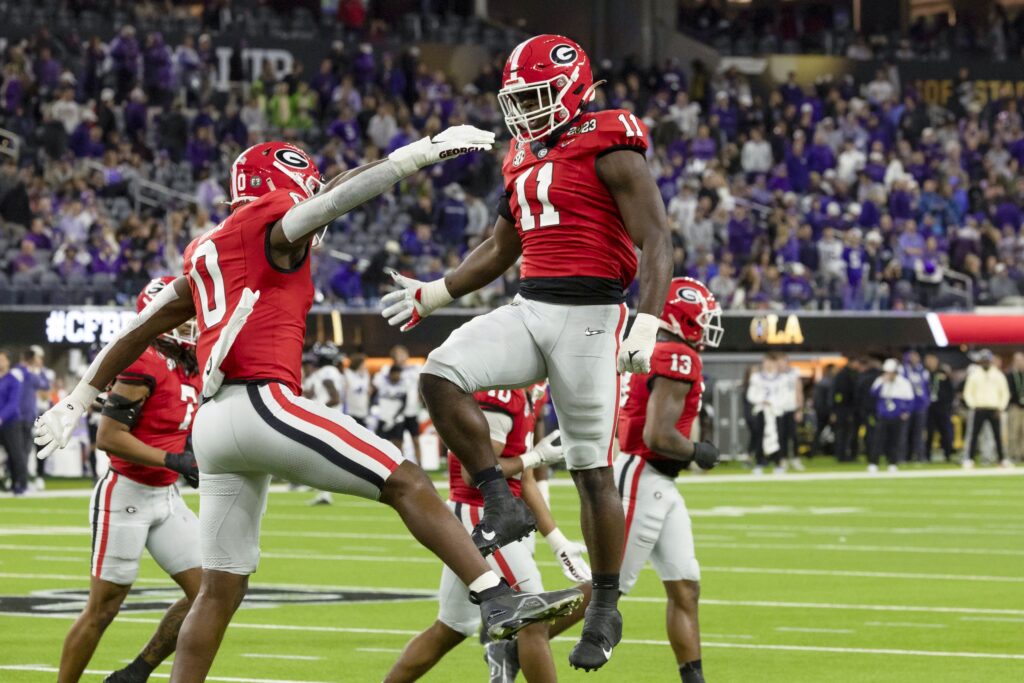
x: 637, y: 349
x: 547, y: 452
x: 448, y: 144
x: 413, y: 300
x: 570, y: 556
x: 538, y: 391
x: 53, y: 428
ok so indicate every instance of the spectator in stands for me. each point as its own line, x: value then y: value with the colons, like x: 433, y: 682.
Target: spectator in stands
x: 894, y: 398
x: 987, y: 395
x: 11, y: 434
x: 940, y: 408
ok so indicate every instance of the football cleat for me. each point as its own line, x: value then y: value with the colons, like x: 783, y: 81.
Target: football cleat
x: 123, y: 676
x: 502, y: 659
x: 602, y: 631
x: 512, y: 522
x: 507, y: 612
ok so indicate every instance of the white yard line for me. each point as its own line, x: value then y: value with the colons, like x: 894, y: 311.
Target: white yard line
x: 378, y: 649
x: 1018, y: 620
x: 771, y: 604
x: 42, y: 668
x: 866, y: 574
x: 853, y: 548
x: 263, y: 655
x: 802, y: 629
x: 902, y: 624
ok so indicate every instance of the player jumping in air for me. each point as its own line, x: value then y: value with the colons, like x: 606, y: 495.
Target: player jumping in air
x: 145, y: 424
x: 579, y: 199
x: 655, y: 428
x: 510, y: 416
x: 248, y: 283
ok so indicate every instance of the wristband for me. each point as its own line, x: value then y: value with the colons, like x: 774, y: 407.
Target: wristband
x: 405, y: 158
x: 84, y: 393
x: 434, y: 295
x: 530, y: 459
x: 556, y: 540
x: 645, y: 326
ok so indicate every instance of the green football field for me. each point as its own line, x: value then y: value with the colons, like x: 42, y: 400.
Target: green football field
x: 830, y: 576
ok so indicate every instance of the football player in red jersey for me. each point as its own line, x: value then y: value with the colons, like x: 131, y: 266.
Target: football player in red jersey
x: 655, y: 428
x: 579, y: 200
x: 511, y: 416
x: 144, y: 427
x: 248, y: 284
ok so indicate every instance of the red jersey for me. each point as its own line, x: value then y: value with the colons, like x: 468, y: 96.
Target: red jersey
x: 236, y: 255
x: 166, y: 417
x: 516, y: 404
x: 575, y: 246
x: 673, y: 360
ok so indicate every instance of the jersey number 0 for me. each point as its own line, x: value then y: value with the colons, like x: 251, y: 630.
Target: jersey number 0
x: 212, y: 300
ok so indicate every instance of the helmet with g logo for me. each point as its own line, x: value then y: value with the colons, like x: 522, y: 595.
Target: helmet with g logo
x: 547, y: 81
x: 692, y: 313
x: 270, y: 166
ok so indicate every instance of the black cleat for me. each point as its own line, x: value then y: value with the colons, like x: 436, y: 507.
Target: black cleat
x: 510, y: 522
x: 602, y: 631
x: 124, y: 676
x: 506, y: 612
x: 502, y: 659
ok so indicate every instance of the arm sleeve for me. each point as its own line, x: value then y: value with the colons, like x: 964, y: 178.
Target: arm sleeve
x: 505, y: 209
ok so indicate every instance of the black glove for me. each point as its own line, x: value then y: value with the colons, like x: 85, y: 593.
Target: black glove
x: 705, y: 454
x: 184, y: 464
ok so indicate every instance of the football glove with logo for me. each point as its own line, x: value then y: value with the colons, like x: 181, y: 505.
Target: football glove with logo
x: 413, y: 300
x: 570, y: 556
x: 53, y: 428
x: 184, y: 464
x: 547, y: 452
x: 637, y: 349
x: 452, y: 142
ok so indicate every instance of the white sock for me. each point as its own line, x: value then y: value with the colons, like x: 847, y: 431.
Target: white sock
x: 545, y: 491
x: 486, y: 580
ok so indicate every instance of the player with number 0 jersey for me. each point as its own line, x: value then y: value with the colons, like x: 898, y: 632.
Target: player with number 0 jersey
x: 579, y: 199
x: 249, y: 285
x: 144, y: 428
x: 656, y: 441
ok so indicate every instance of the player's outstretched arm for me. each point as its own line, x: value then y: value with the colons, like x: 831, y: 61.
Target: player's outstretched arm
x: 356, y: 187
x: 625, y: 174
x: 668, y: 397
x: 415, y: 300
x: 169, y: 309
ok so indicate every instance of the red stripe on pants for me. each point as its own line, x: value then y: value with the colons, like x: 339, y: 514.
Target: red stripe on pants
x: 332, y: 427
x: 634, y: 485
x: 618, y: 378
x: 106, y: 525
x: 506, y: 571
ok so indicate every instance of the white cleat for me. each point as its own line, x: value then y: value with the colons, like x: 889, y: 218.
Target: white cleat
x: 892, y: 468
x: 322, y: 498
x: 967, y: 464
x: 1007, y: 463
x: 873, y: 469
x: 797, y: 464
x: 757, y: 471
x: 779, y: 471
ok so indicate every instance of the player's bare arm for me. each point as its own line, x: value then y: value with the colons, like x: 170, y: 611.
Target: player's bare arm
x: 414, y: 300
x: 115, y: 436
x: 170, y: 308
x: 625, y: 174
x: 668, y: 397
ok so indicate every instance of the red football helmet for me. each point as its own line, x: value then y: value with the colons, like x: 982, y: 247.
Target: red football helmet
x: 692, y: 313
x: 271, y: 166
x: 547, y: 81
x: 183, y: 334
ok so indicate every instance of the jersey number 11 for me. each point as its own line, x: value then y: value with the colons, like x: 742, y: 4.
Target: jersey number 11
x: 548, y: 215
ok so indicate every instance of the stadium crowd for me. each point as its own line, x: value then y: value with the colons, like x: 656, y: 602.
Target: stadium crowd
x: 841, y: 195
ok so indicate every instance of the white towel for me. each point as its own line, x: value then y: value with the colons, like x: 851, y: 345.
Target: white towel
x: 212, y: 375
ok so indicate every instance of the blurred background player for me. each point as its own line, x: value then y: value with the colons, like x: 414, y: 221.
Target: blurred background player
x: 894, y: 402
x: 324, y: 384
x: 791, y: 397
x: 986, y: 393
x: 357, y: 388
x: 144, y: 429
x: 254, y: 268
x: 391, y: 395
x: 1015, y: 412
x: 655, y: 428
x: 34, y: 385
x: 407, y: 420
x: 11, y: 436
x: 511, y: 416
x: 767, y: 395
x: 579, y: 199
x: 940, y: 408
x: 917, y: 423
